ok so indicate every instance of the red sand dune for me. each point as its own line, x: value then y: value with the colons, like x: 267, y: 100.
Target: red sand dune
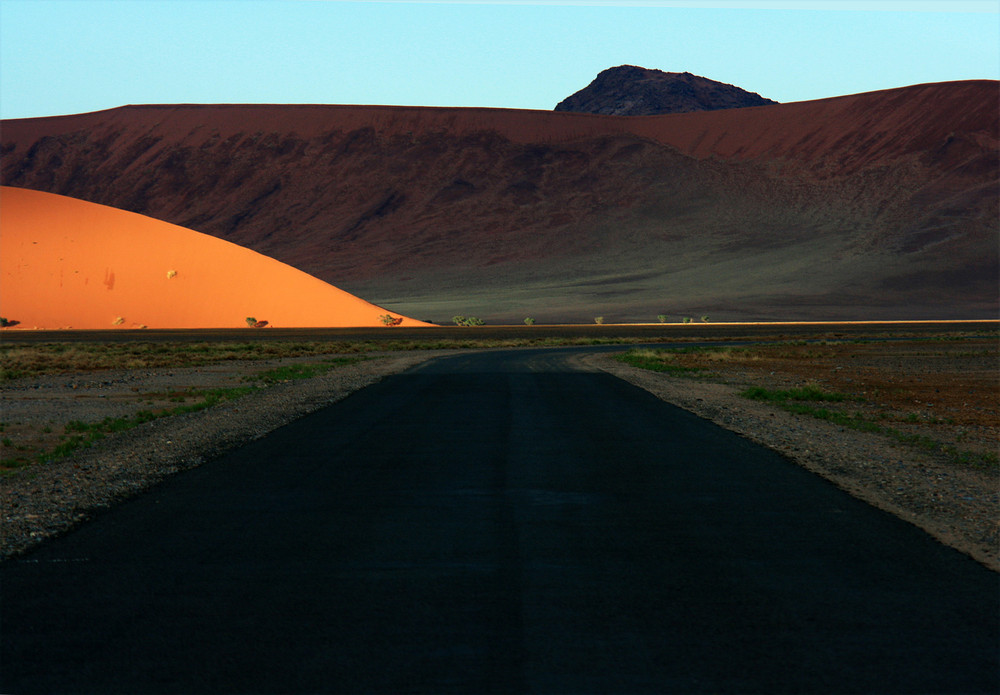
x: 877, y: 124
x: 67, y: 263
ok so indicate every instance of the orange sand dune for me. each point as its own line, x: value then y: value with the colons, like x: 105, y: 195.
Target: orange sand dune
x: 67, y: 263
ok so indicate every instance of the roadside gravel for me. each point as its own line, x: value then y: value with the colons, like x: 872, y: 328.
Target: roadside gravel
x: 48, y: 499
x: 957, y: 505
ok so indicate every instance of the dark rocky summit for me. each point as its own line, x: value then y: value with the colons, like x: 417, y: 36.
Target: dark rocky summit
x: 628, y: 90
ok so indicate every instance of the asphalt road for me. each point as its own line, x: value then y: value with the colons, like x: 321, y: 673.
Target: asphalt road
x: 498, y: 522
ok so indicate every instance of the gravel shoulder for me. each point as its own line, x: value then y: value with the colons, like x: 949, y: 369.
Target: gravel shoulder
x: 956, y: 505
x: 48, y: 499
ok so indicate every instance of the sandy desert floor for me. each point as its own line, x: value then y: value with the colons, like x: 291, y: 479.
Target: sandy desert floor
x: 933, y: 463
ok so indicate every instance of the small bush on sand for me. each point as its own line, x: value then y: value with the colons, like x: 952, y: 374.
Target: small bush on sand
x: 598, y: 320
x: 529, y: 321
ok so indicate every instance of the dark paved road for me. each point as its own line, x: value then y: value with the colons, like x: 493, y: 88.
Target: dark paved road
x: 498, y: 522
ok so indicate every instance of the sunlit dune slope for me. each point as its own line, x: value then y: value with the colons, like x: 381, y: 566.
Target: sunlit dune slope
x: 67, y: 263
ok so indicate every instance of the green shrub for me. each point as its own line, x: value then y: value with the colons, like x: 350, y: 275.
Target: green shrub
x: 809, y: 392
x: 598, y: 320
x: 662, y: 318
x: 529, y: 321
x: 657, y: 361
x: 467, y: 320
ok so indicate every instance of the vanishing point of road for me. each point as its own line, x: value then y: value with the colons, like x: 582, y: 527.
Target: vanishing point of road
x: 500, y: 521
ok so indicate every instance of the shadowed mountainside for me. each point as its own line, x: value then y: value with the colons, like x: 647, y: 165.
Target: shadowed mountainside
x: 629, y: 90
x: 877, y: 205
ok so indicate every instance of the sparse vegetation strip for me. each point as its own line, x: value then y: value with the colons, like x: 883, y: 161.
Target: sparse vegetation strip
x: 791, y: 400
x: 21, y: 360
x: 656, y: 361
x: 292, y: 372
x: 878, y: 399
x: 809, y: 392
x: 938, y: 399
x: 42, y: 500
x: 81, y: 435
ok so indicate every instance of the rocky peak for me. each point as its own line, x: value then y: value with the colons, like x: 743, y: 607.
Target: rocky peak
x: 630, y: 90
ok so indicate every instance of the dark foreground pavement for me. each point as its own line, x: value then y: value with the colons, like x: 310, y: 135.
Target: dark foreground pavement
x: 498, y: 522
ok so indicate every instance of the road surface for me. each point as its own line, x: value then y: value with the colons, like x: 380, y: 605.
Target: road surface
x: 498, y: 522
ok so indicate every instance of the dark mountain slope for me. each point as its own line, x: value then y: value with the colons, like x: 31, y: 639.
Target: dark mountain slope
x: 880, y: 205
x: 628, y: 90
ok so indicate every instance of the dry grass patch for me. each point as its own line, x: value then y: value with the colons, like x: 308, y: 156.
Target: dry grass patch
x: 941, y: 395
x: 19, y: 361
x: 27, y: 441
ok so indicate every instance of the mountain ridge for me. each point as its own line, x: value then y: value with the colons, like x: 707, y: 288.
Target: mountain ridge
x: 882, y: 204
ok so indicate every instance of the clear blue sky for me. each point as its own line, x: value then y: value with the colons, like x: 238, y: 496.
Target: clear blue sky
x: 72, y: 56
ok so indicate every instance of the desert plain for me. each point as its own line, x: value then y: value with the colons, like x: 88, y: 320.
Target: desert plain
x: 915, y: 432
x: 357, y: 232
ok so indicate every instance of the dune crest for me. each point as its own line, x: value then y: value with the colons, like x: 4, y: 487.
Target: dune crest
x: 67, y: 263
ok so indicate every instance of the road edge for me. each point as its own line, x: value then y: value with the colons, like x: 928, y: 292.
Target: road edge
x: 905, y: 485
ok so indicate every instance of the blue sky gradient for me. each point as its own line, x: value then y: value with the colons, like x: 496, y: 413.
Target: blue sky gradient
x: 72, y: 56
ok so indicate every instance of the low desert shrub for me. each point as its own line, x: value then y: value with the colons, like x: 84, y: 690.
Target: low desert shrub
x: 293, y: 372
x: 467, y: 320
x: 657, y: 361
x: 809, y: 392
